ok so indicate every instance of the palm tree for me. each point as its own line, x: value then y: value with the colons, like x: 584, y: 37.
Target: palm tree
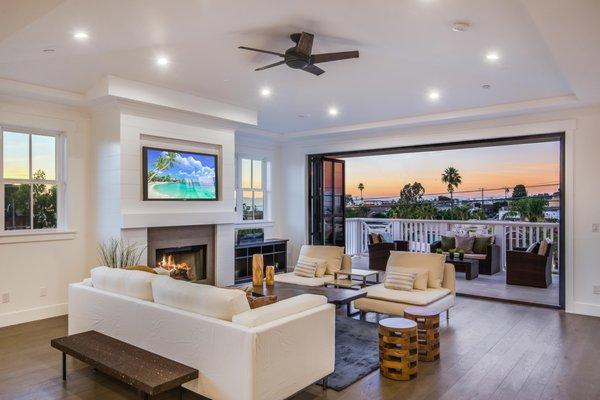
x: 506, y: 191
x: 163, y: 162
x: 452, y: 178
x: 361, y: 187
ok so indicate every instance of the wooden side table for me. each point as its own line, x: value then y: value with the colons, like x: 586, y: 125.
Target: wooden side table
x: 398, y: 350
x: 428, y: 331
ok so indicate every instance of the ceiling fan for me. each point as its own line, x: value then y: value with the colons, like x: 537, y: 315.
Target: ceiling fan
x: 300, y: 57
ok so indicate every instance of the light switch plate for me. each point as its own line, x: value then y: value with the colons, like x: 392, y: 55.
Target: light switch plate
x: 43, y: 291
x: 596, y: 289
x: 595, y: 228
x: 5, y: 297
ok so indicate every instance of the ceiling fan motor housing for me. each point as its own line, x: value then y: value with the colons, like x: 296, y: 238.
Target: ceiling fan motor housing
x: 295, y: 60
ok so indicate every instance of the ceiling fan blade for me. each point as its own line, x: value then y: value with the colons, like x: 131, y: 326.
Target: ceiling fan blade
x: 261, y: 51
x: 270, y: 65
x: 313, y: 69
x: 326, y: 57
x: 305, y: 43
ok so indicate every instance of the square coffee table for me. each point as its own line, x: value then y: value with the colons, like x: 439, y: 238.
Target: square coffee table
x: 349, y: 282
x: 467, y: 265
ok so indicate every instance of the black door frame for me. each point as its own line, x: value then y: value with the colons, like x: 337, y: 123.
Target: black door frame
x: 535, y: 138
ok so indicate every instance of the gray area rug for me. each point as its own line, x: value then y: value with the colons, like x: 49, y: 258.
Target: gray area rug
x: 356, y: 351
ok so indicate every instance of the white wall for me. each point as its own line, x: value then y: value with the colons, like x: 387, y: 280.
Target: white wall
x: 582, y: 192
x: 28, y: 263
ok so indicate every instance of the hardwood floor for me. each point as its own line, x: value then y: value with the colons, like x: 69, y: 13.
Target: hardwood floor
x: 489, y: 350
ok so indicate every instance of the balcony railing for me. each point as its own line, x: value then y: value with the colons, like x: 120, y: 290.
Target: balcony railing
x: 421, y: 233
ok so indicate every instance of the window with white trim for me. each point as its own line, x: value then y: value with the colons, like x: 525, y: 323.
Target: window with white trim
x: 30, y: 182
x: 252, y: 189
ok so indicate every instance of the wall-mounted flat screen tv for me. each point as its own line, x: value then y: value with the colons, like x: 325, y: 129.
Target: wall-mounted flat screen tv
x: 179, y: 175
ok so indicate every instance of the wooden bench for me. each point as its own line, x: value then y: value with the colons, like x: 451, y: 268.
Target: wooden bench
x: 149, y: 373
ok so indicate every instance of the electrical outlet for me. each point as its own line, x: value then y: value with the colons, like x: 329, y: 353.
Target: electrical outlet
x: 596, y: 289
x: 595, y: 228
x: 5, y: 297
x: 43, y: 291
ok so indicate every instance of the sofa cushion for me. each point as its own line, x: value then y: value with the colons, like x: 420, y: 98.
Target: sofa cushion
x: 481, y: 244
x: 448, y: 243
x: 290, y: 277
x: 130, y: 283
x: 306, y: 267
x: 400, y: 280
x: 205, y: 300
x: 281, y: 309
x: 543, y: 247
x: 319, y: 263
x: 416, y: 297
x: 421, y: 276
x: 332, y: 254
x: 475, y: 256
x: 434, y: 263
x: 465, y: 243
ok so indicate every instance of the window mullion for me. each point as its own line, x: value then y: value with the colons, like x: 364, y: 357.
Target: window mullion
x: 30, y: 183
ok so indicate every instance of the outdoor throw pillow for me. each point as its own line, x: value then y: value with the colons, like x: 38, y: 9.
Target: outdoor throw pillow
x: 481, y: 244
x: 386, y: 237
x: 543, y: 247
x: 448, y: 242
x: 375, y: 238
x: 465, y: 243
x: 400, y: 280
x: 306, y: 267
x: 533, y: 247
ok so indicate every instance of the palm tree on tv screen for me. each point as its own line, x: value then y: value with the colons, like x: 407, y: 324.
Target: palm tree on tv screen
x: 451, y: 177
x: 163, y: 162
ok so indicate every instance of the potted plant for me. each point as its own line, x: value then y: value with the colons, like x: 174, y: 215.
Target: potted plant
x: 439, y: 251
x: 461, y: 254
x: 451, y: 253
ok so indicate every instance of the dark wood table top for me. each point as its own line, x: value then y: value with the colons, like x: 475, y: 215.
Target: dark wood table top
x: 456, y: 260
x: 136, y: 367
x: 286, y: 290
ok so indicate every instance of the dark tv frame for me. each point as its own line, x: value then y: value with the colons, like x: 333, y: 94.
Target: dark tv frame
x: 145, y: 173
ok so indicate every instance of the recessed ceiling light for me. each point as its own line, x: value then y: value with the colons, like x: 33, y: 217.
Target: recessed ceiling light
x: 493, y: 56
x: 265, y: 92
x: 81, y: 35
x: 48, y: 50
x: 486, y: 86
x: 333, y: 111
x: 162, y: 60
x: 460, y: 26
x: 434, y: 95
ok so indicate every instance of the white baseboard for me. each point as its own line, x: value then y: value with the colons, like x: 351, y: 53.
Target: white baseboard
x: 33, y: 314
x: 584, y: 309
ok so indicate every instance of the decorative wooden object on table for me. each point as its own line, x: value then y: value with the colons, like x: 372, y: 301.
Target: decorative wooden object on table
x: 150, y: 373
x: 428, y: 331
x: 257, y: 269
x: 270, y: 275
x: 398, y: 349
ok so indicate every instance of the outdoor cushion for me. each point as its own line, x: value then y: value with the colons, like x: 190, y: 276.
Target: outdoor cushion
x: 422, y: 274
x: 465, y: 243
x: 375, y: 238
x: 533, y: 247
x: 474, y: 256
x: 207, y: 300
x: 543, y: 247
x: 448, y: 242
x: 433, y: 262
x: 300, y: 280
x: 386, y: 237
x: 415, y: 297
x: 400, y: 280
x: 332, y: 254
x: 481, y: 244
x: 281, y: 309
x: 130, y: 283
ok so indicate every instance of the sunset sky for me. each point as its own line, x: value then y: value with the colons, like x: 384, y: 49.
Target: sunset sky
x: 486, y: 167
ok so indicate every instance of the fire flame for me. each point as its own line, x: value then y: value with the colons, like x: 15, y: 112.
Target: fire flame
x: 168, y: 263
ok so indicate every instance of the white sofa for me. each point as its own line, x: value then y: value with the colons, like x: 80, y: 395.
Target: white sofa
x: 382, y: 300
x: 336, y: 261
x: 267, y: 353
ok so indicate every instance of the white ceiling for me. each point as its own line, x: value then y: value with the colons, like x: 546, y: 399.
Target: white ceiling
x: 406, y: 49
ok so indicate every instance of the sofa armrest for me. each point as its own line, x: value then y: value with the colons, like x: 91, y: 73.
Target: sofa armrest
x: 346, y: 262
x: 281, y: 309
x: 294, y: 352
x: 435, y: 245
x: 525, y: 258
x: 449, y: 281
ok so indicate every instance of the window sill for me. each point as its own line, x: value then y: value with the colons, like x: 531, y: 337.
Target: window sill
x: 262, y: 222
x: 35, y: 236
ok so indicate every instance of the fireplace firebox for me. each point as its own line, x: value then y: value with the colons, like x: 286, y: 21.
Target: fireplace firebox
x: 185, y: 263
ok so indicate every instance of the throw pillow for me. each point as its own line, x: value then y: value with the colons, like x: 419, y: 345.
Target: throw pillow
x: 543, y: 247
x: 400, y: 280
x: 421, y: 276
x: 375, y: 238
x: 433, y: 263
x: 386, y: 237
x: 448, y: 242
x: 465, y: 243
x: 321, y: 265
x: 305, y: 267
x: 256, y: 302
x: 144, y: 268
x: 481, y: 244
x: 533, y: 247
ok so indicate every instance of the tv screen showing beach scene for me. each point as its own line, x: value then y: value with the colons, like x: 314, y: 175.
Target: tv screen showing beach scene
x: 179, y: 175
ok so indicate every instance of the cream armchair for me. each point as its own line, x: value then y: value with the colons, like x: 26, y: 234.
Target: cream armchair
x: 393, y: 302
x: 336, y: 261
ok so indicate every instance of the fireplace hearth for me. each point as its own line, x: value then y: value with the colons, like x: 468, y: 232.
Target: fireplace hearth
x: 185, y: 263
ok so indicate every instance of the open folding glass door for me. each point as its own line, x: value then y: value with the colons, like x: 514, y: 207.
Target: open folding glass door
x: 326, y: 201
